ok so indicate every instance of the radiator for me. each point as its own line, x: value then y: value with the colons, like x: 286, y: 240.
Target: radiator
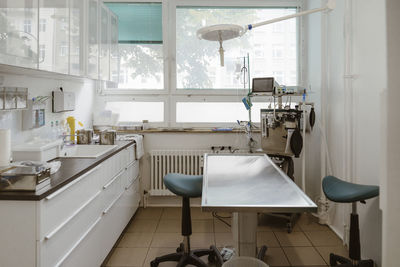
x: 179, y: 161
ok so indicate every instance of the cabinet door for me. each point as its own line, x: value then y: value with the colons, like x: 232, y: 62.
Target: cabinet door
x: 104, y: 44
x: 114, y: 52
x: 19, y: 33
x: 54, y: 35
x: 76, y: 35
x: 93, y: 40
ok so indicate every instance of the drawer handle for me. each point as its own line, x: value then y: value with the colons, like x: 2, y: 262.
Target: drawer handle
x: 134, y: 180
x: 113, y: 203
x: 72, y: 183
x: 113, y: 180
x: 78, y: 242
x: 62, y: 225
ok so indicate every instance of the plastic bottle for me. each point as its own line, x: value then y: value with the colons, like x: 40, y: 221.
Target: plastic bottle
x: 59, y: 130
x: 51, y: 134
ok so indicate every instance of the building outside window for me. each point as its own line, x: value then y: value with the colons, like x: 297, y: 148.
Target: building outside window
x: 27, y: 25
x: 42, y: 52
x: 64, y: 49
x: 42, y: 25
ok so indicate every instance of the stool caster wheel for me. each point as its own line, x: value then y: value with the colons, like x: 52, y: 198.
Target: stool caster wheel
x: 153, y: 264
x: 180, y: 248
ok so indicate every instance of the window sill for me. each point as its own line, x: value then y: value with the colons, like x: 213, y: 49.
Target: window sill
x: 183, y: 130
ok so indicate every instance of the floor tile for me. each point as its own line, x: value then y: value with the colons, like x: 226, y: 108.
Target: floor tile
x: 268, y: 239
x: 268, y: 222
x: 132, y: 257
x: 166, y: 240
x: 220, y: 227
x: 308, y: 222
x: 149, y: 213
x: 197, y: 214
x: 276, y: 257
x: 172, y: 214
x: 202, y: 240
x: 169, y: 226
x: 157, y: 252
x: 202, y: 226
x: 294, y: 239
x: 135, y: 240
x: 142, y: 226
x: 323, y: 238
x: 326, y: 251
x: 301, y: 256
x: 223, y: 240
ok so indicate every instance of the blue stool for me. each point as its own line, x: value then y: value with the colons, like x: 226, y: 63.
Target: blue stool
x: 340, y: 191
x: 187, y: 186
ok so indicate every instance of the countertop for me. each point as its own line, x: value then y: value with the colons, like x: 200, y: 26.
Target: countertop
x: 71, y: 169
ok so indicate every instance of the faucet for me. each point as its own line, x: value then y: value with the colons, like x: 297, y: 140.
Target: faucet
x: 65, y: 142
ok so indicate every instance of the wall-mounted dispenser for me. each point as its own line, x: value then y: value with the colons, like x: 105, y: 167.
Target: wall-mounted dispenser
x: 34, y: 115
x: 63, y: 101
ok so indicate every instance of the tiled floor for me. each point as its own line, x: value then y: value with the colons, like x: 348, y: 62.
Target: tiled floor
x: 156, y: 231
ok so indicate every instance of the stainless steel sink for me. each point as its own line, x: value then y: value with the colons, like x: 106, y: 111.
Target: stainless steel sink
x: 85, y: 151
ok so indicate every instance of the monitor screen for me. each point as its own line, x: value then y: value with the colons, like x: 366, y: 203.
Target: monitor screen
x: 263, y: 85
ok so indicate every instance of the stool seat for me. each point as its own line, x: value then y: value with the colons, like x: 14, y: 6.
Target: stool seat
x: 337, y: 190
x: 184, y: 185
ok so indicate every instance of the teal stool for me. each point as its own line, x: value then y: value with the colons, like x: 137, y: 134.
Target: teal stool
x: 187, y: 186
x: 340, y: 191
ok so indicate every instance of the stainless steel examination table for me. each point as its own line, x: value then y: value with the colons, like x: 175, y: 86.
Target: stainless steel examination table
x: 246, y: 184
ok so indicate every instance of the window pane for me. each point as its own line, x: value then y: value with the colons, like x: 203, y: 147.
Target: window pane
x: 270, y: 48
x: 141, y: 67
x: 137, y: 111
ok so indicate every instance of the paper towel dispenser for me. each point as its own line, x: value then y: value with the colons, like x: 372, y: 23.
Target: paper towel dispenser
x: 63, y: 101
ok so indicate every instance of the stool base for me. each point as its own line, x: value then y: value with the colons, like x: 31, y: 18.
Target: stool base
x: 192, y: 257
x: 336, y: 260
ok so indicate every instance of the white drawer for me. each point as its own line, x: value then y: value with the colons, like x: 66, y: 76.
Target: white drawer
x: 59, y: 244
x: 56, y: 208
x: 132, y: 172
x: 111, y: 190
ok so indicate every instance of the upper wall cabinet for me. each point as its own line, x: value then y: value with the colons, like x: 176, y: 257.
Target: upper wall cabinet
x: 54, y: 28
x: 93, y: 39
x: 64, y: 36
x: 19, y: 33
x: 104, y: 43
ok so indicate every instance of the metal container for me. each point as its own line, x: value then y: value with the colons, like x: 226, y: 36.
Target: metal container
x: 24, y: 178
x: 108, y: 137
x: 84, y: 136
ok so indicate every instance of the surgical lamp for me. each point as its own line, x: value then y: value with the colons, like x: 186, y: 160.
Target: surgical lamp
x: 223, y: 32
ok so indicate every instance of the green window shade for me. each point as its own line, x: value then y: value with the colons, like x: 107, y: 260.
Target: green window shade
x: 138, y: 23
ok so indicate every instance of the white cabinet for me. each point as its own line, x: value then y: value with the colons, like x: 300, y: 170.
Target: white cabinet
x: 104, y: 43
x: 78, y: 224
x: 19, y: 33
x: 93, y: 39
x: 76, y: 37
x: 54, y: 35
x: 114, y: 51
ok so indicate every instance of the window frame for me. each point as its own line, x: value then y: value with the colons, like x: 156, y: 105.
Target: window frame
x: 170, y: 93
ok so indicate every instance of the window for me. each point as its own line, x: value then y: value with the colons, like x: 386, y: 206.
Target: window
x: 42, y: 25
x: 27, y: 26
x: 63, y: 49
x: 177, y: 80
x: 140, y: 45
x: 42, y: 52
x: 137, y: 111
x: 195, y: 58
x: 277, y: 51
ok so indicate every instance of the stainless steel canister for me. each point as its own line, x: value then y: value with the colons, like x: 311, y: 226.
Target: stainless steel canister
x: 108, y: 137
x: 84, y: 136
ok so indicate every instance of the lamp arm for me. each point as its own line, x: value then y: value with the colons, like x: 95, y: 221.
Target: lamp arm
x: 330, y: 5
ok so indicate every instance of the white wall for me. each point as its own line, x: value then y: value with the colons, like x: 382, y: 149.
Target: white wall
x: 353, y: 105
x: 84, y: 95
x: 390, y: 197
